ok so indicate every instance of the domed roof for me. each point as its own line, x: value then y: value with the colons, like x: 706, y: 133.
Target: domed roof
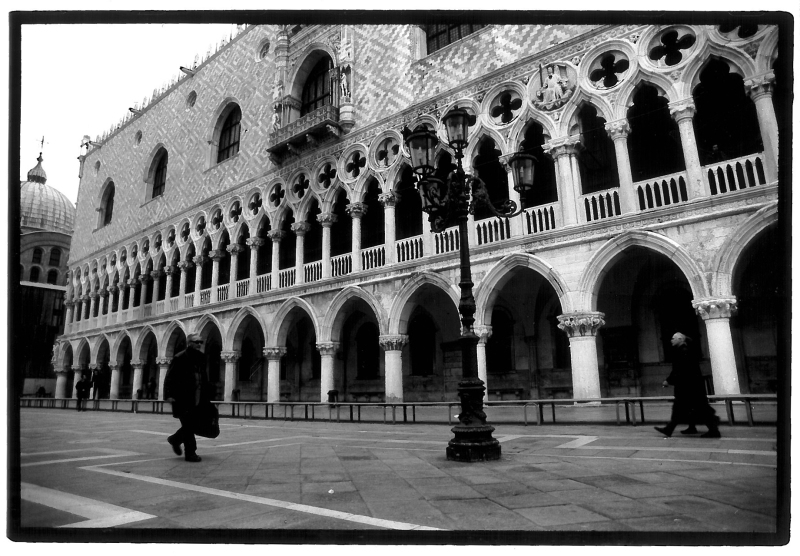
x: 42, y: 206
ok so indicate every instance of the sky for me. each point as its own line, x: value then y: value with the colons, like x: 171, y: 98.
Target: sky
x: 81, y: 79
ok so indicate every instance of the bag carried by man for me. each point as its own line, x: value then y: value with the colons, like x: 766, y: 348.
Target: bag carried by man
x: 206, y: 422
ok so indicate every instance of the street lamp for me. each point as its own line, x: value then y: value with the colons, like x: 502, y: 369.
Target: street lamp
x: 443, y: 200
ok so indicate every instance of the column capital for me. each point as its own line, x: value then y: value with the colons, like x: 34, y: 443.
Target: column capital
x: 300, y: 228
x: 168, y: 270
x: 93, y: 366
x: 393, y: 342
x: 356, y: 210
x: 235, y: 249
x: 63, y: 371
x: 137, y: 363
x: 113, y: 366
x: 563, y: 146
x: 273, y: 352
x: 132, y: 282
x: 388, y: 199
x: 200, y: 260
x: 327, y: 219
x: 144, y: 278
x: 276, y: 235
x: 579, y: 324
x: 682, y: 109
x: 256, y: 242
x: 230, y: 356
x: 619, y: 129
x: 155, y: 274
x: 163, y: 361
x: 482, y: 332
x: 104, y: 293
x: 715, y: 308
x: 327, y: 348
x: 69, y: 303
x: 760, y: 85
x: 93, y: 295
x: 184, y: 265
x: 113, y: 289
x: 216, y: 255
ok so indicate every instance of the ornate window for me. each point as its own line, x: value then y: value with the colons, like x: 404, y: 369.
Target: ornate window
x: 317, y: 89
x: 106, y: 210
x: 55, y: 257
x: 160, y: 176
x: 229, y: 136
x: 439, y: 36
x: 37, y: 256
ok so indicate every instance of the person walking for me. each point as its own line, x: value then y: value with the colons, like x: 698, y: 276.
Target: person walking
x: 186, y: 387
x: 691, y: 404
x: 82, y: 391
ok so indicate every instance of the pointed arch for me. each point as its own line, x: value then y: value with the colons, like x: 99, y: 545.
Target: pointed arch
x: 301, y: 212
x: 165, y: 343
x: 138, y: 346
x: 279, y: 326
x: 400, y: 311
x: 117, y: 343
x: 631, y: 86
x: 235, y: 330
x: 360, y: 186
x: 483, y: 132
x: 334, y: 318
x: 737, y: 61
x: 604, y: 257
x: 206, y: 320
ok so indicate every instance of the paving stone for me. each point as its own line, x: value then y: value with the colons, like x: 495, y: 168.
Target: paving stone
x: 560, y: 484
x: 723, y: 516
x: 38, y: 515
x: 641, y: 491
x: 526, y: 500
x: 560, y: 515
x: 410, y: 511
x: 579, y: 496
x: 667, y: 523
x: 449, y: 492
x: 622, y: 509
x: 325, y: 487
x: 268, y: 489
x: 481, y: 514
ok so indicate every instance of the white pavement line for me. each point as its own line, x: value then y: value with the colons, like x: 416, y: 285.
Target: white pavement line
x: 99, y: 514
x: 84, y: 450
x: 578, y: 442
x: 672, y: 449
x: 120, y: 453
x: 149, y: 432
x: 387, y: 448
x: 335, y: 514
x: 337, y: 430
x: 654, y: 460
x: 260, y: 441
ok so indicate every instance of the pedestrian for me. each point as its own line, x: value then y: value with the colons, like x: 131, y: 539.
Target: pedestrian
x: 41, y: 393
x: 151, y: 388
x: 186, y: 387
x: 691, y: 404
x: 96, y: 385
x: 82, y: 391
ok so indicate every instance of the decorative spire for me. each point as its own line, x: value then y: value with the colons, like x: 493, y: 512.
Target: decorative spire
x: 37, y: 173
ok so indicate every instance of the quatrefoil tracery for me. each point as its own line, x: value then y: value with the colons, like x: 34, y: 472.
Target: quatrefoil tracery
x: 608, y: 70
x: 201, y: 226
x: 326, y: 177
x: 216, y: 220
x: 506, y: 108
x: 300, y: 186
x: 277, y: 194
x: 171, y: 237
x: 388, y: 151
x: 236, y: 211
x: 671, y: 46
x: 357, y: 162
x: 185, y: 231
x: 255, y: 203
x: 746, y: 30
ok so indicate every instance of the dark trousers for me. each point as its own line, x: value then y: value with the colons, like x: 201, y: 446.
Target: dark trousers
x: 185, y: 434
x: 81, y: 402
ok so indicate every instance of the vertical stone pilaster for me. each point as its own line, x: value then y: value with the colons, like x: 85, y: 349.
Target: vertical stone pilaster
x: 562, y: 151
x: 169, y: 271
x: 254, y: 243
x: 276, y: 236
x: 356, y: 211
x: 393, y: 357
x: 483, y: 333
x: 273, y: 355
x: 683, y: 113
x: 137, y: 378
x: 61, y: 383
x: 115, y: 378
x: 234, y: 251
x: 327, y: 220
x: 199, y: 261
x: 582, y: 327
x: 619, y: 131
x: 163, y: 367
x: 231, y: 359
x: 760, y: 90
x: 389, y: 200
x: 300, y: 229
x: 216, y: 257
x: 327, y: 350
x: 716, y: 313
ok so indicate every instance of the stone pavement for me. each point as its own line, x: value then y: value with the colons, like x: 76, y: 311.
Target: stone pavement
x: 345, y: 481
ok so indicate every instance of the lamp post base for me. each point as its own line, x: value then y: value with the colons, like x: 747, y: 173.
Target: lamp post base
x: 473, y: 437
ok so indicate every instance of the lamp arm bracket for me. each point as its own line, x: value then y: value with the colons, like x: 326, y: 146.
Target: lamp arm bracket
x: 480, y: 195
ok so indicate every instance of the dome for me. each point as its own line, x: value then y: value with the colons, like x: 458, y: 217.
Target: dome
x: 42, y: 206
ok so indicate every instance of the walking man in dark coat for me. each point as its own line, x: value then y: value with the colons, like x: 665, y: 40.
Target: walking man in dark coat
x: 82, y: 391
x: 186, y: 386
x: 691, y: 404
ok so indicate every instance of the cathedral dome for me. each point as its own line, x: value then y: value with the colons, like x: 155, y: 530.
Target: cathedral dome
x: 42, y: 206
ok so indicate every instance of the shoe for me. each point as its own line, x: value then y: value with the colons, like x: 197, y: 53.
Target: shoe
x: 193, y: 457
x: 176, y: 447
x: 663, y: 430
x: 690, y: 430
x: 711, y: 434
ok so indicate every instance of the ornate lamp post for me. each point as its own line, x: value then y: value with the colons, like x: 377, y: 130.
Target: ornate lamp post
x: 444, y: 201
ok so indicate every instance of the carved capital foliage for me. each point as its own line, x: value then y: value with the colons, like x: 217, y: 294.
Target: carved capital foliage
x: 719, y: 308
x: 327, y: 219
x: 168, y: 270
x: 103, y: 293
x: 482, y: 332
x: 163, y: 361
x: 235, y: 249
x: 93, y: 295
x: 357, y: 210
x: 393, y: 342
x: 387, y: 199
x: 618, y: 129
x: 113, y: 289
x: 256, y: 242
x: 216, y: 255
x: 274, y: 353
x: 682, y: 109
x: 155, y: 274
x: 132, y: 282
x: 581, y: 324
x: 300, y: 228
x: 563, y: 146
x: 137, y: 364
x: 200, y: 260
x: 760, y: 85
x: 230, y: 356
x: 276, y: 235
x: 113, y: 367
x: 327, y: 348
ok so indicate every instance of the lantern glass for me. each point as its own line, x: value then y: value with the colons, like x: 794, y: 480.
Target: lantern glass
x: 522, y: 171
x: 456, y: 123
x: 421, y: 146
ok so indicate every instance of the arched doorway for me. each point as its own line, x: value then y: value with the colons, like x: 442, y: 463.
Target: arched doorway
x: 251, y: 376
x: 359, y: 374
x: 301, y: 366
x: 215, y: 366
x: 103, y: 380
x: 147, y: 357
x: 124, y: 356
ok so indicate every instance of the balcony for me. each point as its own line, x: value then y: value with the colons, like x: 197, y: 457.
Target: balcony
x: 304, y: 134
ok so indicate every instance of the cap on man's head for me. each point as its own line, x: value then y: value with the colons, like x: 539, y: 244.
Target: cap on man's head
x: 194, y: 338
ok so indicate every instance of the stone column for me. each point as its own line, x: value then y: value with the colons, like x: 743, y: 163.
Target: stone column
x: 393, y: 358
x: 356, y: 211
x: 717, y: 314
x: 683, y: 113
x: 69, y: 304
x: 144, y: 280
x: 327, y: 350
x: 276, y: 236
x: 199, y: 261
x: 582, y: 327
x: 619, y: 131
x: 92, y: 368
x: 131, y: 292
x: 254, y: 243
x: 389, y: 200
x: 137, y: 378
x: 483, y: 333
x: 163, y: 367
x: 216, y: 257
x: 156, y: 277
x: 85, y: 308
x: 515, y: 224
x: 168, y: 270
x: 113, y: 296
x: 77, y: 371
x: 327, y: 220
x: 92, y: 304
x: 563, y: 150
x: 231, y: 358
x: 103, y: 302
x: 184, y: 266
x: 273, y: 355
x: 61, y: 383
x: 234, y: 250
x: 300, y: 229
x: 114, y: 392
x: 760, y: 90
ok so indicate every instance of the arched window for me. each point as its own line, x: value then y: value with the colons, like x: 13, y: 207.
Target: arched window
x: 317, y: 89
x: 37, y: 256
x: 52, y: 277
x: 106, y: 210
x: 439, y: 36
x: 55, y: 257
x: 229, y: 136
x: 597, y: 160
x: 34, y: 276
x: 160, y: 176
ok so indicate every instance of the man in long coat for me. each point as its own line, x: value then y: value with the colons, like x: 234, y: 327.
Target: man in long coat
x: 82, y: 391
x: 186, y: 386
x: 691, y: 404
